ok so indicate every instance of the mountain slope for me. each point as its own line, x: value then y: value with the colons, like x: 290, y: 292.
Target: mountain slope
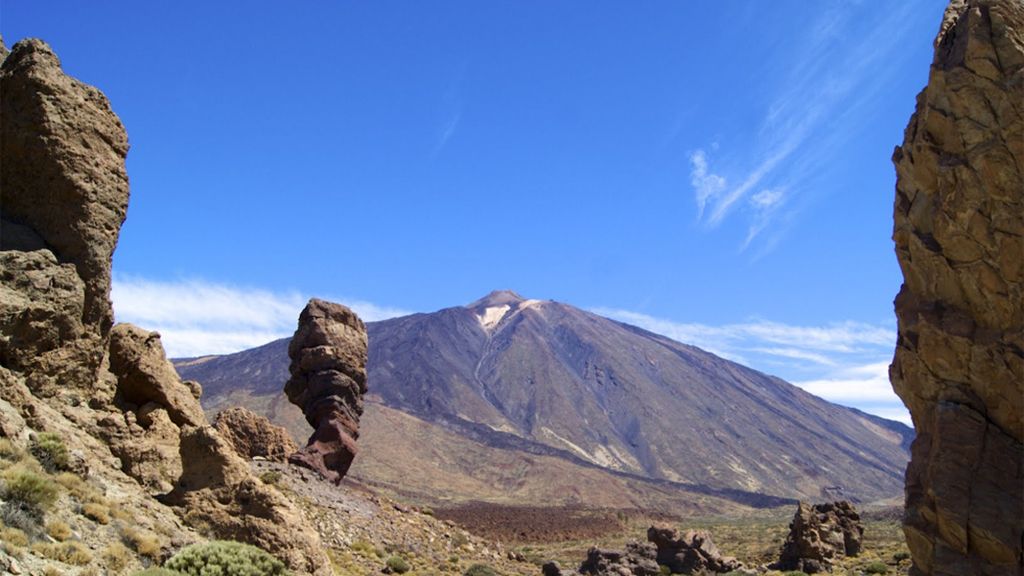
x: 547, y: 378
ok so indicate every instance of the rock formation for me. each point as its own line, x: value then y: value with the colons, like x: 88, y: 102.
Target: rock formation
x: 110, y: 394
x: 959, y: 234
x: 691, y: 553
x: 820, y: 534
x: 328, y: 380
x: 637, y: 560
x: 253, y: 436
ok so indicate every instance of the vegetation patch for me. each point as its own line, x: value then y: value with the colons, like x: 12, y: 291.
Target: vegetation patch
x: 225, y: 558
x: 398, y: 565
x: 480, y: 570
x: 50, y: 451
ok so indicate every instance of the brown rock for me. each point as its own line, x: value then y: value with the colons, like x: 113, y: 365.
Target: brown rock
x: 328, y: 380
x: 693, y: 552
x: 819, y: 535
x: 959, y: 366
x: 253, y: 435
x: 217, y: 490
x: 64, y: 180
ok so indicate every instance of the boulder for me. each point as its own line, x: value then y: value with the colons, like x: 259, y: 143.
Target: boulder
x: 819, y: 535
x: 693, y: 552
x: 253, y: 435
x: 328, y: 380
x: 959, y: 366
x: 637, y: 560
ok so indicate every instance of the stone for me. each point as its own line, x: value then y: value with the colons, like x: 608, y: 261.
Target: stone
x: 218, y: 490
x: 64, y: 179
x: 253, y: 436
x: 819, y: 535
x: 693, y: 552
x: 328, y: 380
x: 958, y: 229
x: 637, y: 560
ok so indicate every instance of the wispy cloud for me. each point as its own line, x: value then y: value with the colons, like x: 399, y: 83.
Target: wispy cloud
x: 843, y: 362
x: 197, y: 317
x: 836, y: 71
x: 446, y: 133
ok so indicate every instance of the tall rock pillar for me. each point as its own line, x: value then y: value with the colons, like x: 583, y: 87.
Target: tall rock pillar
x: 959, y: 233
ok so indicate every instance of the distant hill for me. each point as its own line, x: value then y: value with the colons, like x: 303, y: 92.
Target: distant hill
x: 506, y: 380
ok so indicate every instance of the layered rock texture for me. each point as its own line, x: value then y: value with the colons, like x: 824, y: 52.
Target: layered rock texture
x: 108, y: 393
x: 328, y: 380
x: 690, y: 553
x: 959, y: 234
x: 819, y: 535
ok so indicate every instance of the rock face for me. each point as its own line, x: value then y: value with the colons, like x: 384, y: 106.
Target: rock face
x: 959, y: 362
x: 691, y: 553
x: 637, y: 560
x: 108, y: 392
x: 74, y: 198
x: 328, y: 380
x: 252, y: 435
x: 820, y: 534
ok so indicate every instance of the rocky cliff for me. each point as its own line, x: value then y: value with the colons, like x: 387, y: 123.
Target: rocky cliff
x: 959, y: 234
x: 93, y: 415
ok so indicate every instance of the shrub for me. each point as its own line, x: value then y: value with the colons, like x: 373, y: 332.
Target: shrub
x: 21, y: 516
x: 480, y: 570
x: 271, y: 477
x: 24, y: 486
x: 74, y: 553
x: 144, y: 543
x: 116, y: 556
x: 8, y: 451
x: 96, y: 512
x: 901, y: 556
x: 13, y: 536
x: 876, y: 568
x: 398, y: 565
x: 224, y: 558
x: 58, y: 530
x: 51, y: 452
x: 157, y: 572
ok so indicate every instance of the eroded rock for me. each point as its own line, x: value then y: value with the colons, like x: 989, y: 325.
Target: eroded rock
x: 959, y: 234
x: 253, y: 435
x: 690, y: 553
x: 819, y: 535
x: 636, y: 560
x: 328, y: 380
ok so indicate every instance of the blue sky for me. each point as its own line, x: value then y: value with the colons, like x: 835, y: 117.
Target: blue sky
x: 716, y: 171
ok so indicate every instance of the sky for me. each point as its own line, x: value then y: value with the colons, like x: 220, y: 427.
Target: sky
x: 718, y: 172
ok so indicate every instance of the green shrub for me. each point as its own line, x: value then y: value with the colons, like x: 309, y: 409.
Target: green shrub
x: 271, y: 477
x: 480, y: 570
x: 901, y: 556
x: 223, y: 558
x: 398, y: 565
x: 876, y: 568
x: 665, y: 570
x: 25, y: 486
x: 157, y: 572
x: 51, y: 452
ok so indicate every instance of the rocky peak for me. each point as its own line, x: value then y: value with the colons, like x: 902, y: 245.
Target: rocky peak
x: 497, y: 298
x: 959, y: 224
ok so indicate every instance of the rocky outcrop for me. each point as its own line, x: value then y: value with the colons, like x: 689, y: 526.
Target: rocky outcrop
x: 819, y: 535
x: 328, y: 380
x: 254, y: 436
x: 692, y: 553
x: 959, y: 234
x: 130, y: 423
x: 72, y: 196
x: 636, y: 560
x: 218, y: 490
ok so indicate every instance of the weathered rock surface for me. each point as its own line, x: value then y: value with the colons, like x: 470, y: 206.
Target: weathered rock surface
x: 253, y: 435
x: 692, y: 553
x: 820, y: 534
x: 133, y: 427
x: 328, y: 380
x: 72, y: 194
x: 959, y: 234
x: 218, y: 490
x: 637, y: 560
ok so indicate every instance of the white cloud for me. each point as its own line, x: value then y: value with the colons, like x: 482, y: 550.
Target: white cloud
x: 835, y: 73
x: 197, y: 317
x: 843, y: 362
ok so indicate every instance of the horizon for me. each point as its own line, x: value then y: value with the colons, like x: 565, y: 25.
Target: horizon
x: 729, y: 186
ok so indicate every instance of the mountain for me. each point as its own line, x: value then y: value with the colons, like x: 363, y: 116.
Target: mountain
x: 546, y: 379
